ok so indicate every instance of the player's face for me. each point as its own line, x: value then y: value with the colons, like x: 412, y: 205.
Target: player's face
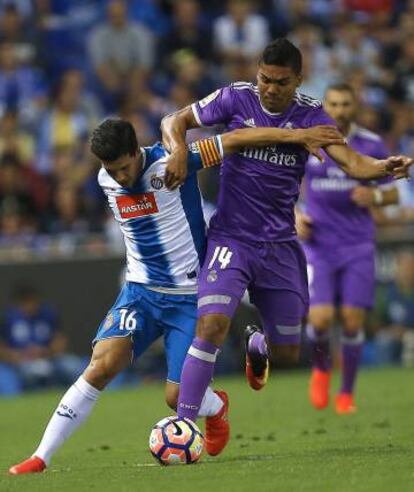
x: 277, y: 86
x: 341, y: 106
x: 125, y: 169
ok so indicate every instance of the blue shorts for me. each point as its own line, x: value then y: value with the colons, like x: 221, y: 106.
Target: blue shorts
x: 146, y: 315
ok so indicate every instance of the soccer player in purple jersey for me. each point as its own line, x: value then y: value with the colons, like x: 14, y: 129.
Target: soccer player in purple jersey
x: 252, y: 241
x: 339, y: 238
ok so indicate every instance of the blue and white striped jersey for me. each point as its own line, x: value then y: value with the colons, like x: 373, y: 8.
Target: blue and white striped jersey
x: 164, y: 230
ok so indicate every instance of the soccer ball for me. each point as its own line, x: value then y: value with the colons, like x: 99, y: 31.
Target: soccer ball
x: 175, y: 441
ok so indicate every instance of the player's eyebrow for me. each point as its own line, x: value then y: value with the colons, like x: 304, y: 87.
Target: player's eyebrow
x: 274, y: 81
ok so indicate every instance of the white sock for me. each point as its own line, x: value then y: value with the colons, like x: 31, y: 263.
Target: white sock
x: 72, y: 411
x: 211, y: 404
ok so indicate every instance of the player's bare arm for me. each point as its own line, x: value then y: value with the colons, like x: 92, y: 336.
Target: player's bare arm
x: 375, y: 196
x: 363, y: 167
x: 174, y: 128
x: 303, y: 224
x: 311, y: 138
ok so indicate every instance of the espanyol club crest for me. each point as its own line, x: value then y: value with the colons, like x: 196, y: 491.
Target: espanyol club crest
x: 156, y: 182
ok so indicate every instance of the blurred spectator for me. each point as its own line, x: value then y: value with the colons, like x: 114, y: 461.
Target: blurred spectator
x: 69, y: 223
x: 66, y: 124
x: 14, y: 139
x: 12, y: 30
x: 403, y: 86
x: 22, y: 88
x: 187, y: 32
x: 190, y: 71
x: 353, y: 48
x: 395, y: 315
x: 25, y: 7
x: 121, y: 53
x: 32, y: 347
x: 13, y: 185
x: 241, y: 33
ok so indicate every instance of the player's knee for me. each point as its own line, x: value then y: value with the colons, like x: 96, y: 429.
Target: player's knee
x: 352, y: 321
x: 284, y: 355
x: 213, y: 328
x: 321, y: 321
x: 100, y: 373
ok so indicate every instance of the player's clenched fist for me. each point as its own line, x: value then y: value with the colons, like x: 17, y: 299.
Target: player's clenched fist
x: 176, y: 170
x: 398, y: 166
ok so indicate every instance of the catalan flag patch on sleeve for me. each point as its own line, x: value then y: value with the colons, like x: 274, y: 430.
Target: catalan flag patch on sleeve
x: 211, y: 151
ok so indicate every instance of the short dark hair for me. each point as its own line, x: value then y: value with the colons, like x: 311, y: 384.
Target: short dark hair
x: 283, y: 53
x: 341, y: 87
x: 112, y: 139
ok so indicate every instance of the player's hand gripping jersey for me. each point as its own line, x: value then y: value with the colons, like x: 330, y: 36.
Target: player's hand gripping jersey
x: 259, y: 186
x: 164, y: 230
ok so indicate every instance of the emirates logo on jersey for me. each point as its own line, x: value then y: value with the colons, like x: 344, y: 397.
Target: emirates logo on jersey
x: 132, y: 206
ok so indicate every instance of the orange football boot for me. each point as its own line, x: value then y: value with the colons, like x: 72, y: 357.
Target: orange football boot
x: 344, y: 403
x: 257, y: 366
x: 319, y: 388
x: 31, y: 465
x: 217, y: 433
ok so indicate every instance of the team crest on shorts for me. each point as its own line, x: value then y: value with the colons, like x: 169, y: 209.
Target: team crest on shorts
x: 156, y: 182
x: 109, y: 321
x: 212, y: 276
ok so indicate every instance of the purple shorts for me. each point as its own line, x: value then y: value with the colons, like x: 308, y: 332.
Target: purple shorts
x: 342, y: 276
x: 273, y: 273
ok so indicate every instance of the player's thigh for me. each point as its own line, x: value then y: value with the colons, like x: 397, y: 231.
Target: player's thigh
x: 109, y: 358
x: 357, y: 281
x: 134, y: 314
x: 224, y: 277
x: 352, y: 318
x: 322, y: 279
x: 321, y: 316
x: 282, y: 313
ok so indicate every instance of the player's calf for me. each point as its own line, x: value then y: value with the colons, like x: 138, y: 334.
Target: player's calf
x: 284, y: 355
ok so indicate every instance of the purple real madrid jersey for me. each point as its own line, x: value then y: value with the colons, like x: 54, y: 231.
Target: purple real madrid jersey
x: 336, y: 219
x: 259, y: 186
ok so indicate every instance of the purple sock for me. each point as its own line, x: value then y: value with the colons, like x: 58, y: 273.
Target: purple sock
x: 321, y: 351
x: 257, y: 344
x: 351, y: 357
x: 198, y: 370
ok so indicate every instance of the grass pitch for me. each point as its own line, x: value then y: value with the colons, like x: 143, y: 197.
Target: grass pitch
x: 278, y: 442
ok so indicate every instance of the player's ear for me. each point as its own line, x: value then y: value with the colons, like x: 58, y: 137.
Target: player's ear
x: 299, y: 79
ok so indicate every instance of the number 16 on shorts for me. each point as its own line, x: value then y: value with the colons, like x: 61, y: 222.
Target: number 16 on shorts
x: 127, y: 321
x: 223, y: 255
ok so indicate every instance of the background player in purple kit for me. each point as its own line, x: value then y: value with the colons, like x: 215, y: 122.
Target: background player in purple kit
x: 339, y: 234
x: 252, y: 240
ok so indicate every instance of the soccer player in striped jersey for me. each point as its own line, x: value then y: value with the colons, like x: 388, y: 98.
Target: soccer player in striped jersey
x: 252, y: 241
x: 165, y: 240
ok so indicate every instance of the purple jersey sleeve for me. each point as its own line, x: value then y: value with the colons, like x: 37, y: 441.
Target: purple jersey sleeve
x: 217, y: 107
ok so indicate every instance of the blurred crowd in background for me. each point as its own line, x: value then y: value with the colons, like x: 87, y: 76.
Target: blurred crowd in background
x: 67, y: 64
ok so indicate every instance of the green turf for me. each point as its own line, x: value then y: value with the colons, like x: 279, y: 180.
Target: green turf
x: 278, y: 442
